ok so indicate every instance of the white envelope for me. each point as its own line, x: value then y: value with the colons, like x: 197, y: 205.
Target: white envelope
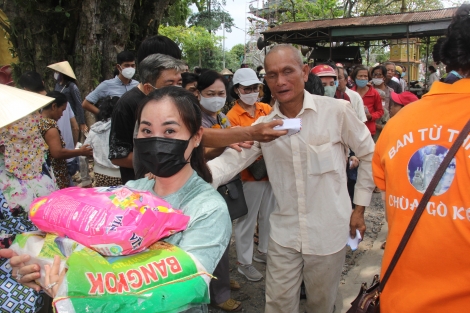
x: 293, y: 125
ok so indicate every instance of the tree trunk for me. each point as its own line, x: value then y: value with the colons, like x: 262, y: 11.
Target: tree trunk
x: 87, y: 33
x: 35, y: 35
x: 147, y: 16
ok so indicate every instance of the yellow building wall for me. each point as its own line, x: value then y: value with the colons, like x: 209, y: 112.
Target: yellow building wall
x: 399, y: 55
x: 5, y: 54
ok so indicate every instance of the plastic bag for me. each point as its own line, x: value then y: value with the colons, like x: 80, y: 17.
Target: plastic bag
x: 111, y: 220
x: 162, y: 279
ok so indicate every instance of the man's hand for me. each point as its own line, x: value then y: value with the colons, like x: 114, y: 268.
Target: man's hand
x: 264, y: 132
x: 354, y: 162
x: 357, y: 221
x: 245, y: 145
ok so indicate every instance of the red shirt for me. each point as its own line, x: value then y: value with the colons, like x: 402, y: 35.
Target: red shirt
x: 373, y: 102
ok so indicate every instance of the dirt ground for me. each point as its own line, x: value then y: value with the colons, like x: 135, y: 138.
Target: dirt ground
x: 252, y: 294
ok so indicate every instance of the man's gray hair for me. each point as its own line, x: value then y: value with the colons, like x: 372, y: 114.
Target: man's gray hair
x: 296, y: 52
x: 152, y: 66
x: 389, y: 63
x: 344, y: 71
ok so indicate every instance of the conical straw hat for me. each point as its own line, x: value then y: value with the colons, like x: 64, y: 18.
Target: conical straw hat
x: 64, y: 68
x: 17, y: 103
x: 226, y: 72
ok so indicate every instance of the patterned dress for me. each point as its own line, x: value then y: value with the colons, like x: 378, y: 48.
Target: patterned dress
x: 59, y: 166
x: 24, y: 176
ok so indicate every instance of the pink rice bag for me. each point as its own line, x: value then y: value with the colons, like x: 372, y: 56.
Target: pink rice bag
x: 111, y: 220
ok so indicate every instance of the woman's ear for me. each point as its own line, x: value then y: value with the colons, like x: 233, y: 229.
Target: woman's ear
x: 198, y: 137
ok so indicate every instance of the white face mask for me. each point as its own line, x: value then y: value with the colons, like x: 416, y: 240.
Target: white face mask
x: 212, y: 104
x: 250, y: 98
x: 127, y: 72
x: 56, y: 76
x: 377, y: 81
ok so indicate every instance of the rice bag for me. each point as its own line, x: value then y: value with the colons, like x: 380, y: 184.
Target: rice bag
x: 111, y: 220
x: 161, y: 279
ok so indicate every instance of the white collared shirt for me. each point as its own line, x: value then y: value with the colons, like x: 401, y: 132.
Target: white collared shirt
x: 357, y: 104
x: 307, y: 172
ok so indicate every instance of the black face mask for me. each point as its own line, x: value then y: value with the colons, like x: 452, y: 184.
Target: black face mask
x: 163, y: 157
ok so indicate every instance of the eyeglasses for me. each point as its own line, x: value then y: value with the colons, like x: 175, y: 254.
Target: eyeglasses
x: 377, y: 75
x: 250, y: 89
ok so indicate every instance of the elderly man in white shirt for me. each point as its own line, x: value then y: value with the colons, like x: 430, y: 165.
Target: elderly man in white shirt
x: 313, y: 218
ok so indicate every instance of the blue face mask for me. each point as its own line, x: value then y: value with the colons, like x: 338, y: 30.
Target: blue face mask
x: 330, y: 91
x: 336, y: 83
x: 403, y: 74
x: 361, y: 83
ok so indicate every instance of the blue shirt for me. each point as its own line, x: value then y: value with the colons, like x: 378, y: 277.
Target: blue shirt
x: 113, y: 87
x: 209, y: 228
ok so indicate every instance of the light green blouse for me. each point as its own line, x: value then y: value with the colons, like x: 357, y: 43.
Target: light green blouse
x: 209, y: 228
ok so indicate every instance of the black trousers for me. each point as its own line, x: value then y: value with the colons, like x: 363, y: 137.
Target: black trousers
x: 220, y: 288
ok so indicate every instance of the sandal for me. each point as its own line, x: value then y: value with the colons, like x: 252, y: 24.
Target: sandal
x: 234, y: 285
x: 230, y: 305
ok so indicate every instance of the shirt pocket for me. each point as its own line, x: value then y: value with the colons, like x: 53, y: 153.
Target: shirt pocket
x: 320, y: 159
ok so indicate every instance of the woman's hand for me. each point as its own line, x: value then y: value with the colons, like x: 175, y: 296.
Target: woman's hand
x: 86, y: 150
x: 24, y: 274
x: 53, y: 278
x: 83, y: 128
x: 150, y: 176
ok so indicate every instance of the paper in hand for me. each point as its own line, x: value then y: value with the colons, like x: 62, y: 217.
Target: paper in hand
x: 293, y: 125
x: 353, y: 243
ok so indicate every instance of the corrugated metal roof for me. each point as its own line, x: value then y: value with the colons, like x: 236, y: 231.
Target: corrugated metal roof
x: 389, y: 19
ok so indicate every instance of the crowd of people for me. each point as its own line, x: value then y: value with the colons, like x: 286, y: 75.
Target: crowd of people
x: 181, y: 135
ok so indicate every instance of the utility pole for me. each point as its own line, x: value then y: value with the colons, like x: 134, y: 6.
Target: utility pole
x: 223, y: 42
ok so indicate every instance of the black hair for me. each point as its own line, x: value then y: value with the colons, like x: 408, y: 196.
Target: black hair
x: 60, y: 99
x: 197, y: 70
x: 208, y: 78
x: 266, y: 93
x: 382, y: 68
x: 188, y: 108
x: 357, y: 69
x: 32, y: 81
x: 432, y: 68
x: 106, y: 107
x: 188, y: 78
x: 314, y: 85
x: 455, y: 49
x: 259, y: 68
x: 125, y: 56
x: 67, y: 79
x: 436, y: 50
x: 158, y: 44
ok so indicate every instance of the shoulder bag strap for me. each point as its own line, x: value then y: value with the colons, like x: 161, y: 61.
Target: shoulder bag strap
x: 424, y: 201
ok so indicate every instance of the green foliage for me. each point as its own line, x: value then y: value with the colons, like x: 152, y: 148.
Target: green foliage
x: 234, y: 57
x: 177, y: 13
x: 378, y: 7
x: 196, y: 43
x: 303, y: 10
x: 212, y: 21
